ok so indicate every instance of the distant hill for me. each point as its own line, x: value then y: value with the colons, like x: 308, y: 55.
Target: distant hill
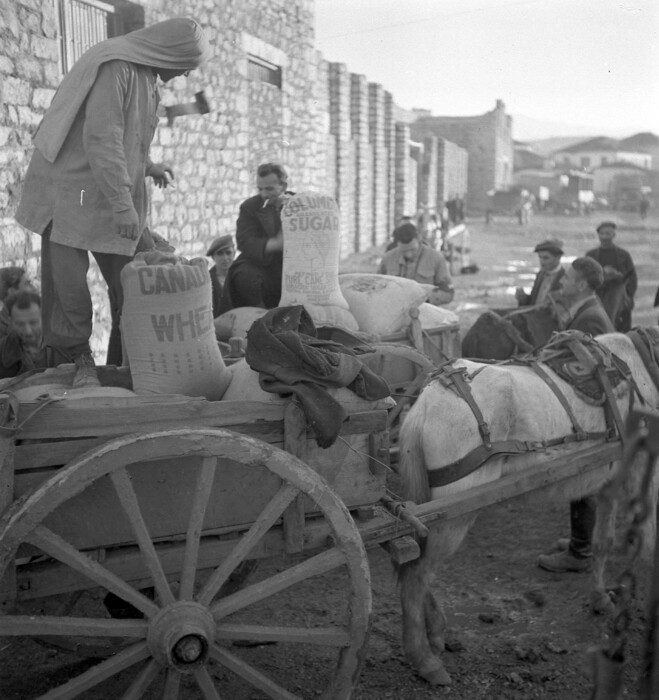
x: 556, y: 143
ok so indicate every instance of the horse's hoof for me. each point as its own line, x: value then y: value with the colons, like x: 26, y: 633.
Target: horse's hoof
x: 601, y: 603
x: 436, y: 675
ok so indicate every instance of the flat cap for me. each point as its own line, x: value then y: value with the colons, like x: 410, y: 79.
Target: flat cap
x: 405, y: 233
x: 551, y: 245
x: 607, y: 224
x: 220, y: 244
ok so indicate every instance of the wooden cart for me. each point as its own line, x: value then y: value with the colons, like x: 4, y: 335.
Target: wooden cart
x: 127, y: 520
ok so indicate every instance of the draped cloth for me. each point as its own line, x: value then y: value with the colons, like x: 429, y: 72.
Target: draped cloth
x: 175, y: 44
x: 291, y: 358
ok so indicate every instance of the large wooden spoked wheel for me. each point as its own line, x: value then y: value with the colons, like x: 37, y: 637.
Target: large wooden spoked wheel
x: 187, y: 635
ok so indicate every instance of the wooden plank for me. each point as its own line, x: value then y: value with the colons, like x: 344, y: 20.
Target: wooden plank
x: 7, y: 424
x: 119, y: 416
x: 295, y: 431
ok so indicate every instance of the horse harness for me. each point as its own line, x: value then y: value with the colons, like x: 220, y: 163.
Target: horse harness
x: 565, y: 351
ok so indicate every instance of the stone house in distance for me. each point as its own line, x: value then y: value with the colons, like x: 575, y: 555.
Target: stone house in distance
x: 273, y: 97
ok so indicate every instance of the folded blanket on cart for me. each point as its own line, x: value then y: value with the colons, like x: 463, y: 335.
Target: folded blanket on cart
x: 286, y: 349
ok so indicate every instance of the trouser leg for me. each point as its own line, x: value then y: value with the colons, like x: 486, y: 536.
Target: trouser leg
x: 582, y: 521
x: 111, y: 266
x: 66, y: 301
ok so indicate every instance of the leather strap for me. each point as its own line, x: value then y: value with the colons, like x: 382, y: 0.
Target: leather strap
x: 479, y: 455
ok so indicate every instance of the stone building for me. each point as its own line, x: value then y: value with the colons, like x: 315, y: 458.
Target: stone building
x: 273, y: 97
x: 487, y: 138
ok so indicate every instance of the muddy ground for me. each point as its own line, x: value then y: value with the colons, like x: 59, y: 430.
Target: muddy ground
x: 516, y: 632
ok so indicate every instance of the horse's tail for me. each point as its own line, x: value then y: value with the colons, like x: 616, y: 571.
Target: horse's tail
x: 411, y: 463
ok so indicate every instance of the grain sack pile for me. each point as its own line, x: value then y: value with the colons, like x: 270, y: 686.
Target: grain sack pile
x: 310, y: 223
x: 167, y: 327
x: 381, y: 303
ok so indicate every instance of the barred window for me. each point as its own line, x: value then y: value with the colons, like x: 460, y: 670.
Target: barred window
x: 263, y: 71
x: 83, y: 23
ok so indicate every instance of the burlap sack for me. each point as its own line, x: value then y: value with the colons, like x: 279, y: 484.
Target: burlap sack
x: 381, y: 303
x: 167, y: 328
x: 236, y: 323
x: 311, y: 229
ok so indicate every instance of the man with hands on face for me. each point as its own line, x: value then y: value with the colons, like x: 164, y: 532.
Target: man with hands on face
x: 85, y: 189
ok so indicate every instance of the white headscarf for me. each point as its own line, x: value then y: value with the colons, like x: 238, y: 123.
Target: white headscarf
x: 175, y: 44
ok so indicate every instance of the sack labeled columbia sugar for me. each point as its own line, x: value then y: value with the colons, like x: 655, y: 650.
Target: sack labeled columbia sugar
x: 310, y: 225
x: 167, y: 328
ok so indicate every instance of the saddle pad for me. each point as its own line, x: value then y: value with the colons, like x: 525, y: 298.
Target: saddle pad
x: 576, y: 358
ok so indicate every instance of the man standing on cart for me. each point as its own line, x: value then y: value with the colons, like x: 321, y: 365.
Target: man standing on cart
x: 85, y: 188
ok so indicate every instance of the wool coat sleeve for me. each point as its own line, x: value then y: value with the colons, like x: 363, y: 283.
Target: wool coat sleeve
x: 103, y: 134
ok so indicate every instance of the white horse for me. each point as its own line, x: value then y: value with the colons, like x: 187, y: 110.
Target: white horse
x: 441, y: 428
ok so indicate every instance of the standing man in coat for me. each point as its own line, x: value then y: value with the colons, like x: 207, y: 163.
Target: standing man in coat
x: 618, y: 265
x: 580, y: 282
x: 85, y: 188
x: 548, y: 279
x: 254, y: 277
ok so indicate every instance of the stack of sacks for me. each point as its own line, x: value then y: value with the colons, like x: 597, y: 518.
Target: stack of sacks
x: 236, y: 323
x: 381, y: 303
x: 310, y: 276
x: 245, y: 387
x: 167, y: 327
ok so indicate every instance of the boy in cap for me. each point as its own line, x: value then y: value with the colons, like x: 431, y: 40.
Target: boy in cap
x: 548, y: 279
x: 221, y: 252
x: 618, y: 265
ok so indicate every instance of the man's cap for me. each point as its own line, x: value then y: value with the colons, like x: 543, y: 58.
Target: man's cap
x: 405, y: 233
x: 220, y: 244
x: 551, y: 245
x: 607, y: 224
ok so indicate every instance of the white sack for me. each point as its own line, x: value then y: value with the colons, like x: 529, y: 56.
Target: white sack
x: 432, y: 316
x: 311, y: 229
x: 381, y: 303
x: 236, y: 323
x: 167, y: 328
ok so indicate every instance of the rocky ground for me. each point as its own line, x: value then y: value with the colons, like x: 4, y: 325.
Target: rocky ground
x: 516, y: 632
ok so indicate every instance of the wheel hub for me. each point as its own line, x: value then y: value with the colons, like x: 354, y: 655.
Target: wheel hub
x: 180, y: 635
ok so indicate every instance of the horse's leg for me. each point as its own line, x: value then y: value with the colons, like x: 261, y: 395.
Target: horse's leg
x: 422, y: 616
x: 435, y: 623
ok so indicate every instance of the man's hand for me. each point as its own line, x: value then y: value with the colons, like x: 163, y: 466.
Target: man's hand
x: 162, y: 174
x: 127, y: 224
x: 275, y: 244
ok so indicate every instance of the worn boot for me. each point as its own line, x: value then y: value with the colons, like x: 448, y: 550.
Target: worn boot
x: 86, y: 374
x: 565, y: 561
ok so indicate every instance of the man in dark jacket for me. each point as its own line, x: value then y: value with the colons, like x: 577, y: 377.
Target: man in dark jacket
x: 617, y: 264
x: 23, y: 349
x: 579, y: 285
x: 254, y: 278
x: 549, y: 277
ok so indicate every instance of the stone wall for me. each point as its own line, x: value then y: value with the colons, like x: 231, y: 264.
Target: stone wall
x: 488, y: 141
x: 333, y: 130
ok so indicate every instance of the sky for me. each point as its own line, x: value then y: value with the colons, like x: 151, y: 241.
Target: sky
x: 562, y: 67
